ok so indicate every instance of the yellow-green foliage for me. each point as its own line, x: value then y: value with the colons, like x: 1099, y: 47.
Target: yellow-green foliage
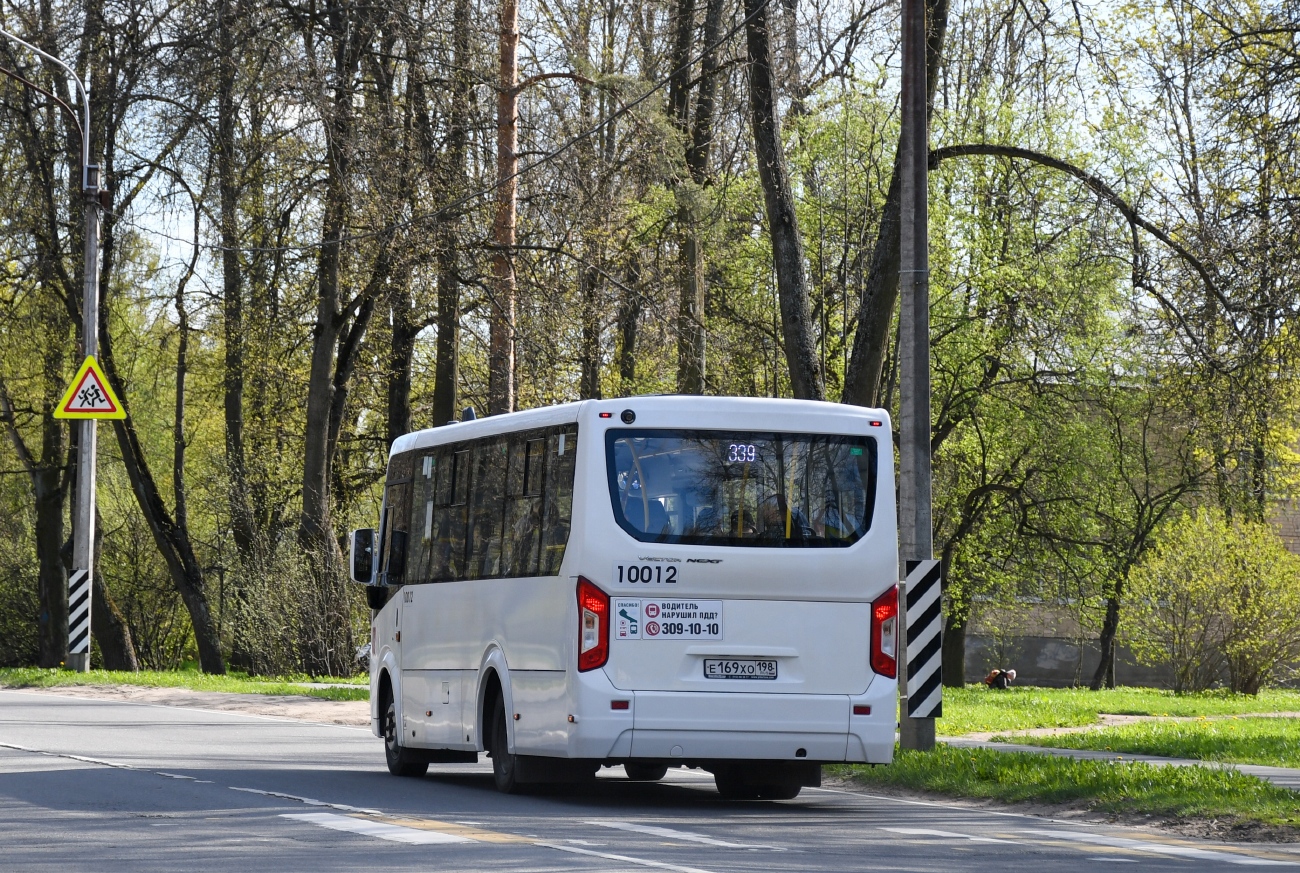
x: 1217, y: 598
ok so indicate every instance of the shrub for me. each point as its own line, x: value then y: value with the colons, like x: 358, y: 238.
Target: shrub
x: 1217, y: 597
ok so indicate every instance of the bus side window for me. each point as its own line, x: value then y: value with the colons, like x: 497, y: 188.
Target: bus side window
x: 421, y: 536
x: 397, y: 502
x: 486, y: 507
x: 523, y: 510
x: 561, y: 462
x: 449, y: 505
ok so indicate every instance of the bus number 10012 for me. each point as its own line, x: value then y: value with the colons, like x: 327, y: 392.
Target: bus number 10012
x: 646, y: 574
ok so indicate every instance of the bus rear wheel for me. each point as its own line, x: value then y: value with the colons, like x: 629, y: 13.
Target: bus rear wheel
x: 638, y: 772
x: 734, y: 784
x: 505, y: 769
x: 401, y: 760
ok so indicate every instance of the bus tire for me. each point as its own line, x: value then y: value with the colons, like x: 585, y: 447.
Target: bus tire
x: 733, y: 786
x: 401, y: 760
x: 505, y: 769
x: 779, y: 791
x: 641, y: 772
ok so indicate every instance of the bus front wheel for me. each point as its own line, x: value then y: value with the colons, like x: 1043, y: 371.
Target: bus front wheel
x: 401, y: 761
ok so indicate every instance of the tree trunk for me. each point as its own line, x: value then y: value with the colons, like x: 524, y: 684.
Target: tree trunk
x: 880, y: 291
x: 501, y: 329
x: 692, y: 344
x: 52, y: 572
x: 447, y: 363
x: 783, y: 223
x: 50, y: 492
x: 629, y: 317
x: 1105, y: 672
x: 954, y: 651
x: 400, y: 354
x: 233, y: 337
x: 589, y: 356
x: 107, y: 623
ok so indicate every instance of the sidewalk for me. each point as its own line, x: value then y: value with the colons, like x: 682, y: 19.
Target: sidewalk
x: 1283, y: 777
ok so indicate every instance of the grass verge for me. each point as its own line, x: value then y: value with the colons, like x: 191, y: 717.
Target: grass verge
x: 35, y: 677
x: 1121, y: 789
x: 1273, y: 742
x: 977, y: 709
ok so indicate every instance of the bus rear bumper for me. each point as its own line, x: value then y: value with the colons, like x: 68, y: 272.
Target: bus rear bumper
x: 695, y: 726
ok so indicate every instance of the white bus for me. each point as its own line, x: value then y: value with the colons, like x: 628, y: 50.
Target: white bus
x: 649, y: 582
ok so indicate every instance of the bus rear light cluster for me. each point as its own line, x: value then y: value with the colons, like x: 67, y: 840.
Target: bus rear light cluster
x: 884, y: 633
x: 593, y: 626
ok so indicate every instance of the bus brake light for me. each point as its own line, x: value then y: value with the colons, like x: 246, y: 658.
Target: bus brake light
x: 593, y: 626
x: 884, y: 633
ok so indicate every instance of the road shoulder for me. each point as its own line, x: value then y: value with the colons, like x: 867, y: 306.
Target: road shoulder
x: 353, y: 713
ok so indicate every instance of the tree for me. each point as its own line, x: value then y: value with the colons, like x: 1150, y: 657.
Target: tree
x: 1217, y: 598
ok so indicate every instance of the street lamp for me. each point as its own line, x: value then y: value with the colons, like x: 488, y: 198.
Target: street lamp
x: 79, y: 583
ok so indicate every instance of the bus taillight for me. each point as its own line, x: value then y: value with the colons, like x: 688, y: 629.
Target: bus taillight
x: 593, y: 626
x: 884, y: 633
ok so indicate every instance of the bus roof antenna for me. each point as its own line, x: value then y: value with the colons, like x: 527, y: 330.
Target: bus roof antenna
x: 468, y: 414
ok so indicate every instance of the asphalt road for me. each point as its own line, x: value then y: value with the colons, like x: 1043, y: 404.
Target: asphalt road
x: 101, y: 785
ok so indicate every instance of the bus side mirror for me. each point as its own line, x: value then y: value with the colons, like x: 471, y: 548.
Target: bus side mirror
x: 362, y: 556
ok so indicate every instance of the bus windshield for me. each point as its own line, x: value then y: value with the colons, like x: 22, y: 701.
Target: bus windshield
x: 723, y: 488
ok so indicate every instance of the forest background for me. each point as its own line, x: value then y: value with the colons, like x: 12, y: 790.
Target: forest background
x: 330, y: 222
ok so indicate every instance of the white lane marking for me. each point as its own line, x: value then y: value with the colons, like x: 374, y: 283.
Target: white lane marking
x: 1163, y: 849
x: 377, y: 829
x: 69, y: 757
x: 669, y: 833
x: 309, y: 801
x: 926, y: 832
x: 609, y: 856
x: 585, y: 843
x: 174, y: 776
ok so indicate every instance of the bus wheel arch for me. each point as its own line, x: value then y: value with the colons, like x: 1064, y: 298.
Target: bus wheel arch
x: 494, y: 685
x: 401, y: 760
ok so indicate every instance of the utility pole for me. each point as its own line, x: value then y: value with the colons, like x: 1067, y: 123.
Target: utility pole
x: 83, y: 538
x: 915, y: 522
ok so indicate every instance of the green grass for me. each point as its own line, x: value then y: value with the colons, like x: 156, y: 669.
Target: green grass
x: 1103, y: 786
x: 35, y: 677
x: 977, y: 709
x: 1273, y: 742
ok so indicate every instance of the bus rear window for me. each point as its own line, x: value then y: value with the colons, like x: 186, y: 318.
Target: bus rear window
x: 739, y: 488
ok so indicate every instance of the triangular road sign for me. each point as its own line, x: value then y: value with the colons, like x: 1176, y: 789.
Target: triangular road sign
x: 89, y: 395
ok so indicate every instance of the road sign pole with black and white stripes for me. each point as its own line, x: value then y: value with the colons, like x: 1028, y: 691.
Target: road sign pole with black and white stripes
x: 924, y: 639
x: 915, y: 517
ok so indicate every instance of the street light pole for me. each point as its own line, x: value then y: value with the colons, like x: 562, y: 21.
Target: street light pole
x: 83, y: 535
x: 915, y: 522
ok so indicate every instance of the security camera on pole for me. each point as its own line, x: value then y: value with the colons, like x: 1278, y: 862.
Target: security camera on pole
x: 89, y: 398
x: 919, y: 599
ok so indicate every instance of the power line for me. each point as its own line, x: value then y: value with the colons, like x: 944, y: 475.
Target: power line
x: 455, y: 205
